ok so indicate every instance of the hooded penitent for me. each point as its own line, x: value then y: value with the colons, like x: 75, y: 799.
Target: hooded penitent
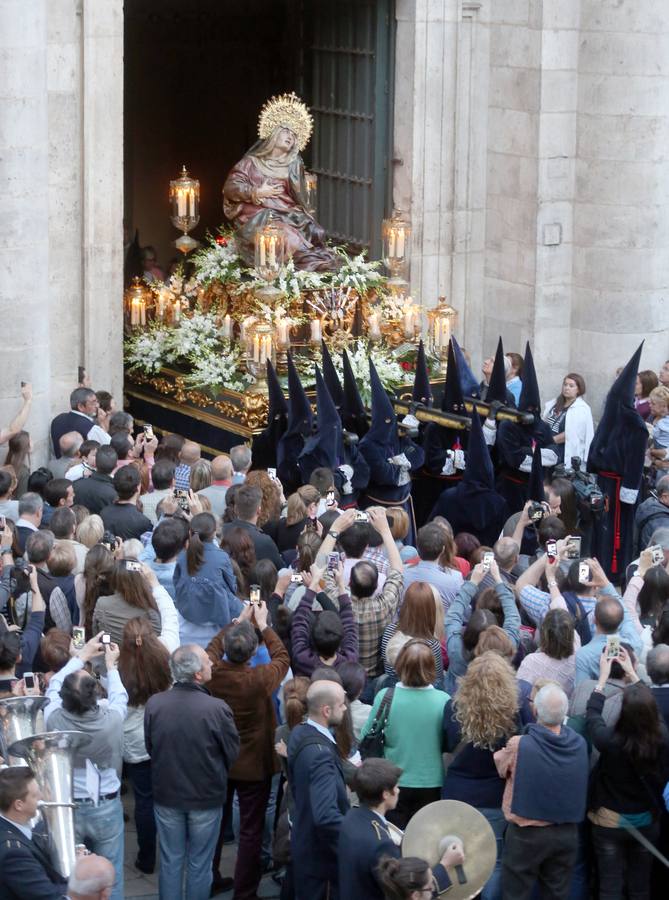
x: 468, y: 383
x: 353, y: 412
x: 298, y: 429
x: 264, y: 447
x: 422, y: 392
x: 438, y: 440
x: 497, y: 391
x: 474, y: 505
x: 617, y: 456
x: 331, y: 378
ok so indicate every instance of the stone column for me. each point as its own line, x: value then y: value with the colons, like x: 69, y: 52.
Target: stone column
x: 24, y: 222
x: 439, y: 148
x: 621, y: 217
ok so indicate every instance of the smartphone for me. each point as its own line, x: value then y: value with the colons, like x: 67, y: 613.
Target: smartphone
x: 106, y: 639
x: 333, y: 562
x: 254, y: 594
x: 330, y: 498
x: 656, y: 554
x: 612, y: 646
x: 132, y: 565
x: 181, y: 497
x: 361, y: 516
x: 296, y: 578
x: 81, y: 374
x: 78, y: 637
x: 29, y: 680
x: 148, y: 432
x: 109, y: 540
x: 488, y: 557
x: 583, y: 573
x: 574, y: 548
x: 272, y: 473
x: 551, y: 551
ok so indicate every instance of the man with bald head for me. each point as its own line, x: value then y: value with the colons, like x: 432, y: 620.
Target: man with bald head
x: 610, y: 617
x: 221, y: 479
x: 320, y: 801
x: 75, y: 705
x: 69, y: 444
x: 189, y: 455
x: 92, y: 878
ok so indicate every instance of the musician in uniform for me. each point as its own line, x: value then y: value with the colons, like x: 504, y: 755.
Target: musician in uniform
x: 26, y: 871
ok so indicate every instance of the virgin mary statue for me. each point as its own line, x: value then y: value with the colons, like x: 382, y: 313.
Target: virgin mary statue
x: 269, y: 181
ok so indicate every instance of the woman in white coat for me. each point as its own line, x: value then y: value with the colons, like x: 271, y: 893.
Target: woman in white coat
x: 570, y: 420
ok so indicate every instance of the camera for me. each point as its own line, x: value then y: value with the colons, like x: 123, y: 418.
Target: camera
x: 29, y: 680
x: 21, y: 567
x: 589, y: 498
x: 536, y: 511
x: 109, y: 540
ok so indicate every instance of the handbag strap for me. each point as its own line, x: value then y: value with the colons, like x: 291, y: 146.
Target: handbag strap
x: 383, y: 711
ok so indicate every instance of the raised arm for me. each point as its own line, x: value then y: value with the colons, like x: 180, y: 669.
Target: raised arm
x: 21, y: 417
x: 379, y: 521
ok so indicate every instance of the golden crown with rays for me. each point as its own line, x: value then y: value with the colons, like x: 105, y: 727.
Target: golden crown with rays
x: 286, y: 111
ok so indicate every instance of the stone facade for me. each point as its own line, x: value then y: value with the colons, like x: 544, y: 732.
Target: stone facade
x: 533, y: 137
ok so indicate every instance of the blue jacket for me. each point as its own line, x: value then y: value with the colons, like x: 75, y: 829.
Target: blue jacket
x: 320, y: 802
x: 363, y: 840
x: 209, y: 595
x: 26, y: 871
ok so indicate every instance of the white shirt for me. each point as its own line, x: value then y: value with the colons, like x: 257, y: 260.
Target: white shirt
x: 323, y: 730
x: 24, y: 523
x: 96, y: 433
x: 24, y: 829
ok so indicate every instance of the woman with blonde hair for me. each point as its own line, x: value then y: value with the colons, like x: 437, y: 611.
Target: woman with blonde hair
x: 91, y: 531
x: 479, y: 720
x: 272, y: 496
x: 398, y: 520
x: 200, y: 475
x: 301, y: 511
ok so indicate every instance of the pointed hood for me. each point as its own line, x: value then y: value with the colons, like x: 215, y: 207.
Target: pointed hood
x: 383, y: 429
x: 497, y: 386
x: 468, y: 383
x: 331, y: 377
x: 354, y: 414
x: 452, y: 400
x: 422, y: 392
x: 479, y: 472
x: 530, y: 400
x: 536, y: 483
x: 264, y: 446
x: 277, y: 401
x: 623, y: 387
x: 326, y: 444
x: 300, y: 415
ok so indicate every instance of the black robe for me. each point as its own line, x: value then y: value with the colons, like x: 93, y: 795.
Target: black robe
x: 514, y: 443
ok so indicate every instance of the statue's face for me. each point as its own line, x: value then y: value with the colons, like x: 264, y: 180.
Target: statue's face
x: 285, y: 140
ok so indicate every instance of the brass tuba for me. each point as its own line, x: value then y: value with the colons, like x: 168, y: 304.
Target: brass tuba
x: 20, y: 717
x: 50, y: 756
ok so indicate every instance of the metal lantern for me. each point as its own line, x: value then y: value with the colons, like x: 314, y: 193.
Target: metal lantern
x: 138, y: 299
x: 270, y: 250
x: 260, y: 348
x: 185, y: 208
x: 311, y: 188
x: 442, y: 320
x: 396, y: 234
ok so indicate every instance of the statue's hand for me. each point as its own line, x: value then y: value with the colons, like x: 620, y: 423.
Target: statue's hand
x: 268, y: 190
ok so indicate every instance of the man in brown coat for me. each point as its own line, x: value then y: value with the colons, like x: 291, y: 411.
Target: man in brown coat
x: 247, y: 687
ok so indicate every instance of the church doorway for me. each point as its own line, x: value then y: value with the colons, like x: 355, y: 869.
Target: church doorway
x: 196, y: 75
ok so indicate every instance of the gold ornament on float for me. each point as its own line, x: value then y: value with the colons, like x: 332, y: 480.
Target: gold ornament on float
x: 286, y: 111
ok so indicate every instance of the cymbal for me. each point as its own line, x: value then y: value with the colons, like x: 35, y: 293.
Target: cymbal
x: 451, y: 817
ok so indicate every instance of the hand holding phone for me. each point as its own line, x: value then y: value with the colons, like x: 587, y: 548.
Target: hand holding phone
x: 488, y: 558
x: 612, y: 646
x: 78, y: 637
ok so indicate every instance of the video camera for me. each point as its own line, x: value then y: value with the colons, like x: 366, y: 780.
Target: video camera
x: 589, y: 498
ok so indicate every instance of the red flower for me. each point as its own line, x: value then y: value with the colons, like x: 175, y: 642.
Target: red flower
x: 222, y: 241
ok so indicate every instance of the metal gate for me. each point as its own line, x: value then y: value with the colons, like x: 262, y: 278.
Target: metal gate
x: 348, y: 75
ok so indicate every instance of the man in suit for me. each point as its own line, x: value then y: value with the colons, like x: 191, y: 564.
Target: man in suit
x: 26, y: 872
x: 98, y: 491
x: 31, y: 510
x: 365, y: 835
x: 316, y: 779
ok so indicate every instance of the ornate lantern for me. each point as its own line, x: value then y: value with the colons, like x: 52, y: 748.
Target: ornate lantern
x: 185, y: 208
x: 270, y: 257
x: 442, y: 320
x: 260, y: 348
x: 396, y: 234
x: 137, y: 299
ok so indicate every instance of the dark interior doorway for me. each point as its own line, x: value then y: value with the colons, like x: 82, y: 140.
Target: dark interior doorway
x: 197, y: 74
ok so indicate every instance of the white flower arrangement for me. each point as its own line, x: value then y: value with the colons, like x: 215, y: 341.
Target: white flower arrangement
x: 149, y: 350
x: 220, y: 368
x: 358, y: 273
x: 389, y: 370
x: 218, y: 260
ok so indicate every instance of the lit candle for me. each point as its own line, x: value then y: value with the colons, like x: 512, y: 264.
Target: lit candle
x: 134, y: 311
x: 391, y: 243
x: 374, y: 330
x: 256, y: 348
x: 437, y: 332
x: 182, y: 204
x: 227, y: 327
x: 177, y: 310
x: 400, y: 243
x: 142, y: 312
x: 445, y: 332
x: 282, y: 328
x: 262, y: 251
x: 191, y: 202
x: 316, y: 330
x: 160, y: 310
x: 408, y: 321
x: 272, y: 252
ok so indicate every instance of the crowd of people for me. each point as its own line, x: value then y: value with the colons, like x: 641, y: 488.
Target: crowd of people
x: 299, y: 644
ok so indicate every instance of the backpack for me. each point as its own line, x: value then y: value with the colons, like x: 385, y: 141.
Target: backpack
x: 579, y: 615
